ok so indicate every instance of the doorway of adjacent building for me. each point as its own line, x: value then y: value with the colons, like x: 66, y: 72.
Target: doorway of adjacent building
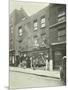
x: 57, y: 58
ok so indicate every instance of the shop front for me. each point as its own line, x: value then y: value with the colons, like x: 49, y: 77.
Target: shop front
x: 36, y: 59
x: 58, y: 52
x: 40, y: 59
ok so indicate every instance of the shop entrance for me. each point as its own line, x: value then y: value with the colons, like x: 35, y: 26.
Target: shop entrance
x: 58, y: 52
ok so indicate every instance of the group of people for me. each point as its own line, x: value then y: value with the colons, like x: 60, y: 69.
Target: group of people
x: 32, y: 61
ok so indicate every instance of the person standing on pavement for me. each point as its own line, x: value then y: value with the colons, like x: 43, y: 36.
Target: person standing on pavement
x: 34, y: 64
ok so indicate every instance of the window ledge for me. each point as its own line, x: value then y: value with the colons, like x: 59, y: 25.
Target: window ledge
x: 42, y: 27
x: 57, y: 23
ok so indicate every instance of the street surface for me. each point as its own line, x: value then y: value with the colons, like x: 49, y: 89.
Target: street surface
x: 24, y: 80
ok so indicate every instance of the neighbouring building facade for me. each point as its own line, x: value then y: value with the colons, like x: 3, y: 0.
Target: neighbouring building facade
x: 40, y: 40
x: 57, y: 34
x: 24, y: 42
x: 14, y: 18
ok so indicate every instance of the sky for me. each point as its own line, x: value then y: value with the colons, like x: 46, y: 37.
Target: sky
x: 29, y: 7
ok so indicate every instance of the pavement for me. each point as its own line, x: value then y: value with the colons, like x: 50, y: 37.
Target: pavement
x: 44, y: 73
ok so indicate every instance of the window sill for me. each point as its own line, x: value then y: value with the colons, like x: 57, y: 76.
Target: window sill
x: 42, y: 27
x: 35, y: 30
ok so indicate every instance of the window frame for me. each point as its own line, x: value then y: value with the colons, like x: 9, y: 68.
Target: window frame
x: 61, y: 15
x: 60, y: 34
x: 20, y: 32
x: 35, y: 25
x: 43, y: 22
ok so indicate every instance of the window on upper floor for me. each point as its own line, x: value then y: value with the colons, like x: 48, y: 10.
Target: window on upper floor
x: 44, y: 40
x: 36, y: 43
x: 35, y: 25
x: 61, y: 15
x: 43, y: 23
x: 23, y: 18
x: 43, y: 36
x: 20, y: 31
x: 61, y: 35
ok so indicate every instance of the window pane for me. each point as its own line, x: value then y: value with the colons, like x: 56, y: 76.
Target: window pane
x: 36, y: 43
x: 61, y: 32
x: 43, y: 25
x: 61, y: 14
x: 35, y: 28
x: 61, y: 19
x: 35, y: 25
x: 20, y: 31
x: 43, y: 20
x: 62, y: 38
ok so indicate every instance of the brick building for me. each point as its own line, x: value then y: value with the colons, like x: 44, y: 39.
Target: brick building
x: 42, y: 37
x: 32, y: 35
x: 14, y: 18
x: 57, y: 33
